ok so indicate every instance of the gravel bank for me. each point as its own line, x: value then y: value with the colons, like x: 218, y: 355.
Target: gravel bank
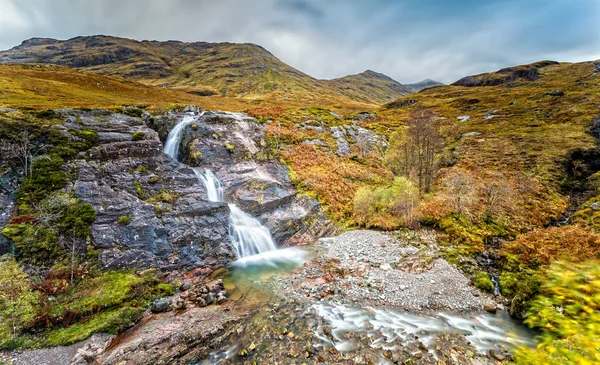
x: 376, y: 269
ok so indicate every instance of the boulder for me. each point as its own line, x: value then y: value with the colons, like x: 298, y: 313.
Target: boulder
x: 160, y: 305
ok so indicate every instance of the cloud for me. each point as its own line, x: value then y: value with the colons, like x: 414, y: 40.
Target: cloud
x: 408, y: 40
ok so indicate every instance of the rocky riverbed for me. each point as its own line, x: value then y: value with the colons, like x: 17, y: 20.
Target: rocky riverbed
x: 375, y: 298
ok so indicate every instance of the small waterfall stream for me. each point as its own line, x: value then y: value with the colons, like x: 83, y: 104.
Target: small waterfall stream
x: 252, y: 241
x: 259, y: 257
x: 174, y: 139
x: 214, y: 188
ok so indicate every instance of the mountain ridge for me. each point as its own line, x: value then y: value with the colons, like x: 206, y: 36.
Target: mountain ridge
x: 226, y: 69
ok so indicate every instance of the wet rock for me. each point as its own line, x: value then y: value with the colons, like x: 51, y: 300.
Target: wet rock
x: 555, y: 93
x: 160, y: 305
x: 171, y: 223
x: 489, y: 306
x: 499, y: 355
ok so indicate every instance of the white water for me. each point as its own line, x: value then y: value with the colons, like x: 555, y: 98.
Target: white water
x: 389, y: 330
x: 174, y: 137
x: 248, y: 236
x: 252, y: 242
x: 214, y: 188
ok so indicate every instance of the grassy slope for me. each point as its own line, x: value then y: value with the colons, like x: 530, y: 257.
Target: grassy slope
x: 225, y: 69
x: 42, y: 87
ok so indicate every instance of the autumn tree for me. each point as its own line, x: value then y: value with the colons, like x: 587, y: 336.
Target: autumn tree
x: 497, y: 196
x: 17, y: 301
x: 413, y: 152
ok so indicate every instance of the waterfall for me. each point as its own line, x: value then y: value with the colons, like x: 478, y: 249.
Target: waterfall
x: 174, y: 137
x: 214, y: 188
x: 248, y: 236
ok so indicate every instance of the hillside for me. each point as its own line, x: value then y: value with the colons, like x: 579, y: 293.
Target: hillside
x: 206, y: 69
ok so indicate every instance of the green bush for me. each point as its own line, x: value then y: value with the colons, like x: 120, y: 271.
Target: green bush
x: 46, y: 178
x: 388, y: 208
x: 37, y: 245
x: 124, y: 220
x: 138, y: 136
x: 154, y: 179
x: 141, y: 169
x: 483, y: 282
x: 17, y: 302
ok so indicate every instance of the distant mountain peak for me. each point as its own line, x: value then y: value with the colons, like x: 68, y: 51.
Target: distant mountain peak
x: 423, y: 84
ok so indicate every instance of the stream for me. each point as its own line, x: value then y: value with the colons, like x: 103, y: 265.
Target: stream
x: 286, y: 330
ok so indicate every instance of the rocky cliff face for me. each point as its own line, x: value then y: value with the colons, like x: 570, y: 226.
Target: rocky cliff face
x: 235, y: 147
x: 151, y: 212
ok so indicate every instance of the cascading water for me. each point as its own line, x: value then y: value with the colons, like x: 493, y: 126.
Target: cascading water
x: 174, y: 137
x: 249, y: 237
x: 252, y: 242
x: 214, y: 188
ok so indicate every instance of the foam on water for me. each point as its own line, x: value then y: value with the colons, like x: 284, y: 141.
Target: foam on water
x: 389, y: 329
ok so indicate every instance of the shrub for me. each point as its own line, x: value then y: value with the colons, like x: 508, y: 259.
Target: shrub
x: 124, y: 220
x: 46, y: 178
x: 37, y: 245
x: 483, y: 282
x: 142, y: 169
x: 138, y: 136
x: 543, y: 246
x: 389, y: 207
x: 154, y: 179
x: 568, y: 313
x: 139, y: 190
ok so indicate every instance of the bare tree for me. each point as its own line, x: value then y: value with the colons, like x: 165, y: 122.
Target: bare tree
x: 414, y: 152
x: 497, y: 196
x: 461, y: 190
x: 27, y: 151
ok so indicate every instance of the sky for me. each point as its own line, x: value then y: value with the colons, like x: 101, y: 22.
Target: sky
x: 408, y: 40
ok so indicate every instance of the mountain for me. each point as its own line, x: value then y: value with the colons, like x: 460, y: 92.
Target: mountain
x: 224, y: 69
x: 370, y: 85
x: 418, y: 86
x: 508, y: 75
